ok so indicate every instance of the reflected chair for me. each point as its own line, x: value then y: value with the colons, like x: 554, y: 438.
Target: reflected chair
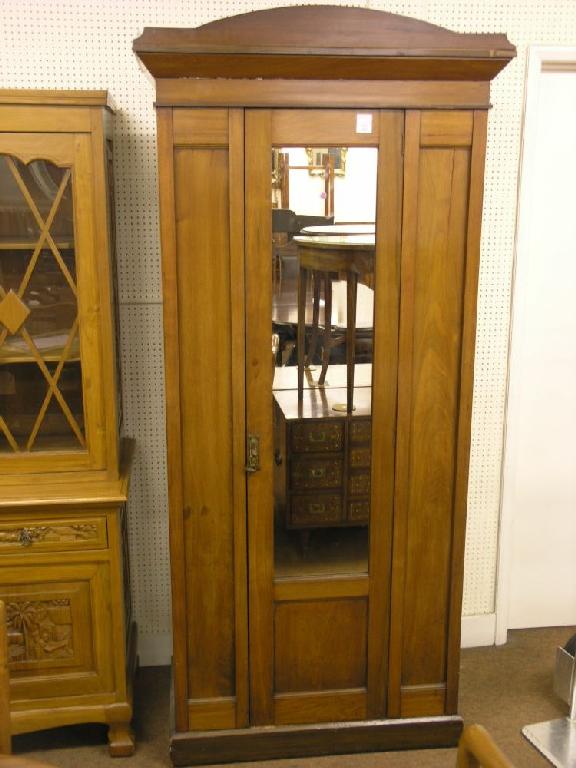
x: 476, y: 749
x: 285, y: 224
x: 6, y: 759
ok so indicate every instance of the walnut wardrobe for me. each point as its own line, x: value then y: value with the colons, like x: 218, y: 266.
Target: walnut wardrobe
x: 317, y: 519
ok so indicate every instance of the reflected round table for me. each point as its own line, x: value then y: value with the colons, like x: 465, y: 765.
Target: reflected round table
x: 339, y: 230
x: 331, y: 256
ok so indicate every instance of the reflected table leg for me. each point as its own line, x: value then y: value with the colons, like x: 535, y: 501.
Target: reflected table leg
x: 301, y: 338
x: 352, y: 290
x: 316, y: 282
x: 327, y: 343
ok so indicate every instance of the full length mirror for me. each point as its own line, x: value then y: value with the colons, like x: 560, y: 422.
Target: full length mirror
x: 323, y: 237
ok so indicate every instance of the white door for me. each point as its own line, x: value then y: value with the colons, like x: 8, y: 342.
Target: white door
x: 538, y: 558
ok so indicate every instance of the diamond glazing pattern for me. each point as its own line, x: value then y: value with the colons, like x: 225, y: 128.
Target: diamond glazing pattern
x: 13, y: 312
x: 88, y: 44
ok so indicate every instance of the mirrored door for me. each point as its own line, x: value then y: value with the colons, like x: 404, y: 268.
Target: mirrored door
x: 323, y: 192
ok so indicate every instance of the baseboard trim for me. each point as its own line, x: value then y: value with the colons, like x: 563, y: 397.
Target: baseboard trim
x: 478, y: 630
x: 155, y: 650
x: 272, y: 743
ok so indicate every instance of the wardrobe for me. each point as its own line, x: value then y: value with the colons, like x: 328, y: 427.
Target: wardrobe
x: 337, y: 638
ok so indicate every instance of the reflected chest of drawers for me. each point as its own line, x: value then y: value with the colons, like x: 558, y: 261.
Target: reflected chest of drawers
x: 322, y: 459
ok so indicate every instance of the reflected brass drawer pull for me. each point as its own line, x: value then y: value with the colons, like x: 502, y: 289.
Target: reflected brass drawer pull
x: 315, y: 510
x: 312, y: 438
x: 318, y: 472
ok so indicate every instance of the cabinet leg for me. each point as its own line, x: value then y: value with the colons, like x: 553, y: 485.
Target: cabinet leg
x: 121, y: 740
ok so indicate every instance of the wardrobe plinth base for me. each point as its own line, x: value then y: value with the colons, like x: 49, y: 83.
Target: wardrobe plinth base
x: 275, y: 742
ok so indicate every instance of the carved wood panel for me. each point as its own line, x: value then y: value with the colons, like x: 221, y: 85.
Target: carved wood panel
x: 39, y: 629
x: 59, y: 633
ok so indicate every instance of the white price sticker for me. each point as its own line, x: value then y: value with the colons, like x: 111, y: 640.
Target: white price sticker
x: 363, y: 122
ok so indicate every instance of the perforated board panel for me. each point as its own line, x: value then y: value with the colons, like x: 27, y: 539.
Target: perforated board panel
x: 88, y: 44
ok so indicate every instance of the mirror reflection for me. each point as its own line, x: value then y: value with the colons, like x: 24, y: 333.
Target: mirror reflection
x: 323, y: 237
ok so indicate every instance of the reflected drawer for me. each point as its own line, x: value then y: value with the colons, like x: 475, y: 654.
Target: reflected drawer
x: 317, y: 436
x: 360, y: 457
x: 360, y: 431
x: 359, y: 484
x: 52, y: 535
x: 359, y: 510
x: 316, y: 509
x: 312, y: 472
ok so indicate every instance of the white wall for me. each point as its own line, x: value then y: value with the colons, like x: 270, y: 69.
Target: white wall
x: 87, y: 44
x: 354, y: 193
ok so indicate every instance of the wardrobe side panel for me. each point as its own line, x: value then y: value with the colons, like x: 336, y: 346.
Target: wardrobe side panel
x: 206, y: 381
x: 440, y: 249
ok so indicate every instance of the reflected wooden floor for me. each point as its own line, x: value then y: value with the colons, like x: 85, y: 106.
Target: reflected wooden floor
x: 323, y: 552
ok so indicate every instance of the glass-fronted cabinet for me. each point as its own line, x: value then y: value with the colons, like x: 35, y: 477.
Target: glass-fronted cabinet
x: 64, y: 473
x: 57, y: 369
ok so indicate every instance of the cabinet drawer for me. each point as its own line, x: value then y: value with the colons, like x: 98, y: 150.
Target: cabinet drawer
x: 317, y: 436
x: 359, y: 484
x: 53, y: 535
x: 360, y: 431
x: 360, y: 458
x: 359, y: 510
x: 315, y: 509
x: 308, y: 472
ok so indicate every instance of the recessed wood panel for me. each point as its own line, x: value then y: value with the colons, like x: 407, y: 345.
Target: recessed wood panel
x: 57, y: 646
x: 200, y: 127
x: 323, y: 127
x: 437, y: 317
x: 322, y: 707
x: 320, y: 645
x: 212, y: 714
x: 423, y: 700
x: 202, y: 215
x: 446, y: 129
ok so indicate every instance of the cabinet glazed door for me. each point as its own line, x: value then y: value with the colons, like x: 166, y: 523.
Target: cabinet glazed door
x: 320, y: 303
x: 50, y: 357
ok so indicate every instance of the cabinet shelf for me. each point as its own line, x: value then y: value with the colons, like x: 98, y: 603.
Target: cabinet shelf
x: 12, y: 354
x: 53, y: 357
x: 17, y: 244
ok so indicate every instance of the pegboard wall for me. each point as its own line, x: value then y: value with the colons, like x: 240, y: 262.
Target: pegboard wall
x: 88, y: 44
